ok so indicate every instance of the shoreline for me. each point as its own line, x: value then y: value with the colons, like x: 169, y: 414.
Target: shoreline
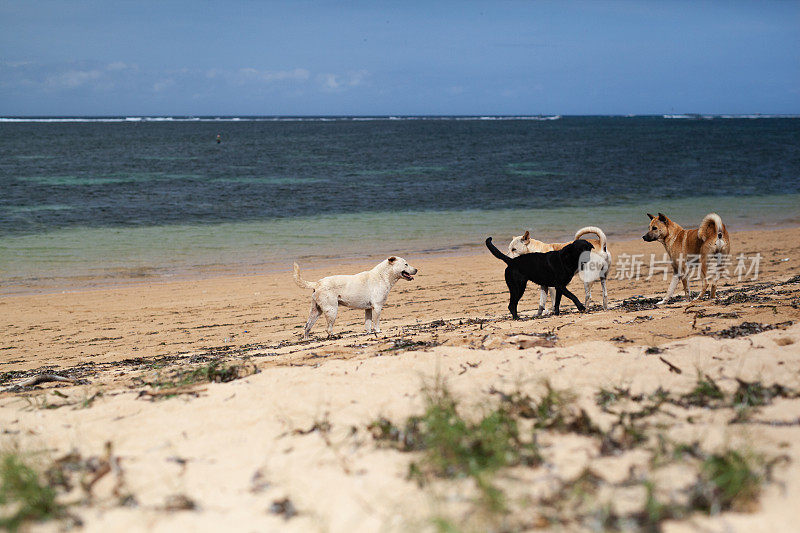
x: 167, y: 317
x: 150, y: 274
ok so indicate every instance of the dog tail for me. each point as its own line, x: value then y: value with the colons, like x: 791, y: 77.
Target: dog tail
x: 711, y: 227
x: 497, y: 253
x: 596, y: 230
x: 301, y: 282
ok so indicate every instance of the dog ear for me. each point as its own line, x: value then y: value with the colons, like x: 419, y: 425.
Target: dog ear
x: 651, y: 216
x: 392, y: 259
x: 662, y: 217
x: 527, y: 236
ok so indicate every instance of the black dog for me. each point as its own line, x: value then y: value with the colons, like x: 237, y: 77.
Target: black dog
x: 551, y: 269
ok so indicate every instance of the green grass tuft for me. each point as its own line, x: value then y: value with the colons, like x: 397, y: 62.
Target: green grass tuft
x: 22, y: 497
x: 754, y: 394
x: 214, y: 372
x: 705, y: 392
x: 456, y: 447
x: 728, y: 480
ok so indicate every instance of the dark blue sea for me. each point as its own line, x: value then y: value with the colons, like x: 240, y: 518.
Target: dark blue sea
x: 121, y: 196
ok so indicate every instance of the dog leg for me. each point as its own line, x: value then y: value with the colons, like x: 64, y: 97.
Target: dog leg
x: 542, y: 300
x: 587, y: 286
x: 312, y: 318
x: 552, y: 291
x: 557, y: 301
x: 330, y: 316
x: 368, y: 320
x: 704, y: 275
x: 687, y: 287
x: 566, y: 292
x: 720, y: 258
x: 605, y: 294
x: 376, y: 319
x: 516, y: 288
x: 672, y: 286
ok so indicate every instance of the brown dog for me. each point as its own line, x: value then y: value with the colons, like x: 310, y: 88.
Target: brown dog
x: 681, y: 244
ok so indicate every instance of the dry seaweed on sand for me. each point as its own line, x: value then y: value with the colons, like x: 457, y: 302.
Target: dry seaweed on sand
x: 621, y: 338
x: 639, y: 303
x: 409, y: 345
x: 283, y: 507
x: 748, y: 328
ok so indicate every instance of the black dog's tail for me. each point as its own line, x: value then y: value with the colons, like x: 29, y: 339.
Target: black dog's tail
x: 497, y: 253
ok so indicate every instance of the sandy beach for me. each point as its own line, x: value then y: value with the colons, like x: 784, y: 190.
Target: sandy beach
x: 289, y: 441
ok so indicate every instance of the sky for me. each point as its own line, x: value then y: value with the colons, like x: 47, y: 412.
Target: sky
x: 398, y: 58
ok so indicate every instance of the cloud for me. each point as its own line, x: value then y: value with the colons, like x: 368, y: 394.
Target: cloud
x: 163, y: 85
x: 72, y: 79
x: 271, y: 76
x: 338, y: 82
x: 330, y: 82
x: 28, y: 75
x: 117, y: 65
x: 15, y: 64
x: 87, y: 78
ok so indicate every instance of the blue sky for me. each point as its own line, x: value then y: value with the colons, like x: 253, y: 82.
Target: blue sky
x: 385, y: 58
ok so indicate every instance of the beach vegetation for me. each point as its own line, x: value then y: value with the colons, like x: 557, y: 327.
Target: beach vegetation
x: 23, y: 496
x: 444, y: 525
x: 728, y: 480
x: 705, y: 392
x: 754, y: 394
x: 214, y: 372
x: 453, y: 446
x: 605, y: 398
x: 450, y: 445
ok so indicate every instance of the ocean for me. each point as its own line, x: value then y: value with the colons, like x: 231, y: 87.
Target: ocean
x: 87, y: 201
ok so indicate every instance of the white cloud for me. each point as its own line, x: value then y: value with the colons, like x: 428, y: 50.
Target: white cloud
x: 16, y: 64
x: 72, y: 79
x: 330, y: 82
x: 338, y: 82
x: 270, y: 76
x: 162, y: 85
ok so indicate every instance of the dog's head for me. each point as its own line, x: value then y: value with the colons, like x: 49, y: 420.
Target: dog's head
x: 658, y: 229
x: 401, y: 268
x: 582, y: 246
x: 579, y: 250
x: 519, y: 245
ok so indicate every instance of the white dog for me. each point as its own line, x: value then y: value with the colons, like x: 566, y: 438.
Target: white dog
x: 596, y: 268
x: 366, y: 290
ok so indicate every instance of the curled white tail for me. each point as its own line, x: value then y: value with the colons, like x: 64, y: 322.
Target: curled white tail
x: 300, y: 281
x: 711, y: 227
x: 597, y: 231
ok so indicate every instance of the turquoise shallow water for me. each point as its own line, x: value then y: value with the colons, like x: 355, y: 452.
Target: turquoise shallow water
x: 91, y: 201
x: 86, y: 257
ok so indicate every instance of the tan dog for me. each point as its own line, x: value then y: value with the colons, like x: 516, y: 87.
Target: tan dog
x: 593, y: 270
x: 681, y: 244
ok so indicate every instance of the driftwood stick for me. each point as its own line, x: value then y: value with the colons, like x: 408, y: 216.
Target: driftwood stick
x: 43, y: 378
x: 672, y: 368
